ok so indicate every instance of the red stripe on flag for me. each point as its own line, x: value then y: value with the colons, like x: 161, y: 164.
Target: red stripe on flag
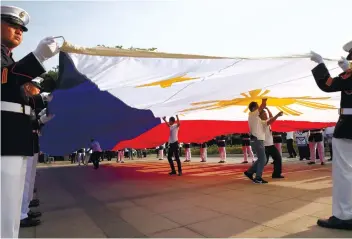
x: 199, y: 131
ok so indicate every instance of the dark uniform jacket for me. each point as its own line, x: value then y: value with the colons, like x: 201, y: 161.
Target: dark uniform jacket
x: 16, y: 128
x: 246, y: 139
x: 221, y: 141
x: 37, y: 104
x: 343, y: 83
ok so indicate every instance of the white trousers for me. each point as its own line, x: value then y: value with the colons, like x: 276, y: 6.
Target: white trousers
x: 222, y: 152
x: 203, y: 154
x: 13, y: 172
x: 86, y: 158
x: 31, y: 171
x: 342, y: 179
x: 80, y: 158
x: 121, y: 155
x: 188, y: 155
x: 161, y: 154
x: 321, y: 151
x: 247, y: 150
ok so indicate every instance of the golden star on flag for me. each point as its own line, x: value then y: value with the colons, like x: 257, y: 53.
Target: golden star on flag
x: 168, y: 82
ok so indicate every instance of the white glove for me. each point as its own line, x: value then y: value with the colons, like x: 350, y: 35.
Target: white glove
x: 43, y: 112
x: 46, y: 96
x: 316, y: 57
x: 45, y: 118
x: 344, y: 64
x: 46, y: 49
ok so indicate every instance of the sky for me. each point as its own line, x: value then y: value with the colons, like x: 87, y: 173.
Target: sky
x: 217, y: 27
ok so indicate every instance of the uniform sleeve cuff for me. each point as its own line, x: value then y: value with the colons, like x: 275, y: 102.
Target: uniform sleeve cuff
x: 29, y: 67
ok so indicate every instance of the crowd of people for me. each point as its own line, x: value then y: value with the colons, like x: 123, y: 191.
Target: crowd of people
x: 24, y: 99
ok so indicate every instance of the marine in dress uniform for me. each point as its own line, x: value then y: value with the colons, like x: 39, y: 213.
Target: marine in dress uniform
x: 81, y: 156
x: 316, y: 143
x: 161, y: 152
x: 203, y: 152
x: 38, y: 102
x: 246, y: 147
x: 221, y: 142
x: 16, y: 128
x: 341, y: 142
x: 188, y: 155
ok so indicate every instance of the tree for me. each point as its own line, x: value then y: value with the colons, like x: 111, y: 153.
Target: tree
x: 50, y: 78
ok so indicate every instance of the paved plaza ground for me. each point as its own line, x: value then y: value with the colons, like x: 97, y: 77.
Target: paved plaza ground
x: 140, y: 199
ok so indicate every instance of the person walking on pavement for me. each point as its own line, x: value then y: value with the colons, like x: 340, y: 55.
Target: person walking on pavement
x: 96, y: 152
x: 289, y: 143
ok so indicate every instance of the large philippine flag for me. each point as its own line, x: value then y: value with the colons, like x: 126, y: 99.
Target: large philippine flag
x: 118, y: 96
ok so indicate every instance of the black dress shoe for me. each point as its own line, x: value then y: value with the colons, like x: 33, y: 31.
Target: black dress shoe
x: 278, y: 176
x: 180, y: 174
x: 29, y: 222
x: 172, y: 173
x: 35, y: 201
x: 34, y: 214
x: 34, y: 204
x: 311, y: 163
x: 335, y: 223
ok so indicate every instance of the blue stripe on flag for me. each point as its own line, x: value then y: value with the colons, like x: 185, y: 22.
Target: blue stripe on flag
x: 82, y: 112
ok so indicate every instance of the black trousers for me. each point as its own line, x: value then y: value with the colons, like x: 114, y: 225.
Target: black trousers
x: 174, y: 151
x: 304, y: 152
x: 95, y: 158
x: 274, y: 153
x: 330, y: 149
x: 290, y: 148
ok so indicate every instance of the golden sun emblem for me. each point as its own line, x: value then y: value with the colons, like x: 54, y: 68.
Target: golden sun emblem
x: 257, y: 95
x: 21, y: 15
x: 168, y: 82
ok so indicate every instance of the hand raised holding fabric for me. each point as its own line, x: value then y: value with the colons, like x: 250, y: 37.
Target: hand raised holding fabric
x: 316, y: 57
x: 45, y: 118
x: 46, y: 96
x: 343, y: 63
x: 43, y: 112
x: 46, y: 49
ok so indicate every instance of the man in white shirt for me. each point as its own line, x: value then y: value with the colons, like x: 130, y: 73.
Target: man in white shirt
x: 289, y: 143
x: 270, y: 149
x: 95, y: 147
x: 256, y: 127
x: 173, y: 144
